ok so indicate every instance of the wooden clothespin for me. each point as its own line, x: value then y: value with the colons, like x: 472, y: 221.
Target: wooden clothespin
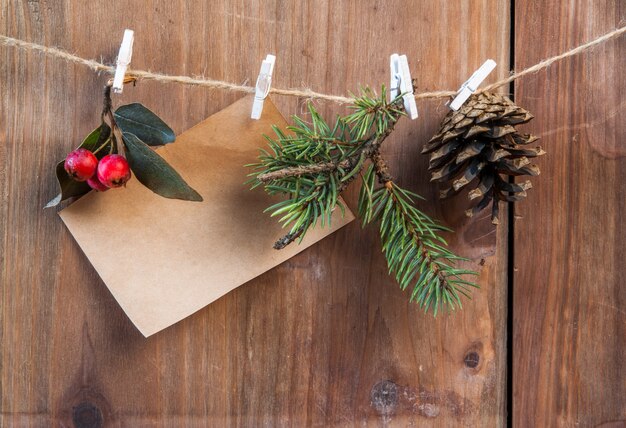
x: 123, y: 60
x: 471, y: 85
x: 263, y: 85
x: 401, y: 83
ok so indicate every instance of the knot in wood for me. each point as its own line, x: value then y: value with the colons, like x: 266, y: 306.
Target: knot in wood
x: 384, y: 397
x: 471, y: 359
x: 87, y: 415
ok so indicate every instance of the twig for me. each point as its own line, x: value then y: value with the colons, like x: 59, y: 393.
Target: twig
x: 381, y: 168
x: 288, y: 239
x: 107, y: 116
x: 296, y: 171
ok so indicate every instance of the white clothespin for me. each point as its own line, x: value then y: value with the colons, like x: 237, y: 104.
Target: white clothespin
x: 470, y: 86
x: 401, y: 83
x: 263, y: 85
x: 123, y: 59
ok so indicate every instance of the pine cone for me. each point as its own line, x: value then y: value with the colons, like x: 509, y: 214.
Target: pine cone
x: 480, y: 142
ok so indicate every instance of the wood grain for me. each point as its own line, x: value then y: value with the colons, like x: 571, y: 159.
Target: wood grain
x: 569, y: 342
x: 326, y: 338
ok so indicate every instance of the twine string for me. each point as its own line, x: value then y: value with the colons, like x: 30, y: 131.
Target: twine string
x: 302, y: 93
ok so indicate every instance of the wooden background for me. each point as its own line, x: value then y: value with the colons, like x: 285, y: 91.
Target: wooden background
x: 326, y: 338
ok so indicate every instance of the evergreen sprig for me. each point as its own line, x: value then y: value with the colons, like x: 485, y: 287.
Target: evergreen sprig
x: 415, y: 252
x: 315, y: 162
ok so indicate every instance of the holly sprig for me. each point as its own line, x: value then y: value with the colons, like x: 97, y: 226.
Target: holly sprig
x: 132, y: 131
x: 313, y: 163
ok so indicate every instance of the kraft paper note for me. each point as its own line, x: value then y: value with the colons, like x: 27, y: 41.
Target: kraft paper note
x: 165, y: 259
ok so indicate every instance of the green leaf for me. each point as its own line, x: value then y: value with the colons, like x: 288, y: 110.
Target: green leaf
x: 154, y: 173
x: 71, y: 188
x: 147, y: 126
x: 95, y: 139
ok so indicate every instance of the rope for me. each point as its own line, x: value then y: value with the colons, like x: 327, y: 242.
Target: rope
x: 304, y: 93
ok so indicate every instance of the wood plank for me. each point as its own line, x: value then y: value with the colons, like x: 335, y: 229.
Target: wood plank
x: 326, y: 338
x: 569, y: 344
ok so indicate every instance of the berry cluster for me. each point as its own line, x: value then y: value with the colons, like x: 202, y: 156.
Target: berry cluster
x: 110, y: 172
x: 125, y: 138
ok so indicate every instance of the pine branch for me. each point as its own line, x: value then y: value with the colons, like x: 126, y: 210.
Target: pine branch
x: 367, y: 150
x: 414, y: 250
x: 315, y: 163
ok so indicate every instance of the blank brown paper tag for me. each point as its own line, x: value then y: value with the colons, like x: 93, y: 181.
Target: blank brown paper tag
x: 164, y: 259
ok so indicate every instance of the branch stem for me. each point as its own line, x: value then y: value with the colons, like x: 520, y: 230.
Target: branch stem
x: 107, y: 116
x: 288, y: 238
x: 381, y: 168
x: 297, y: 171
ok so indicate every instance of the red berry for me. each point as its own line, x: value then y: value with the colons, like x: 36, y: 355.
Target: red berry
x: 113, y: 171
x: 96, y: 184
x: 81, y: 164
